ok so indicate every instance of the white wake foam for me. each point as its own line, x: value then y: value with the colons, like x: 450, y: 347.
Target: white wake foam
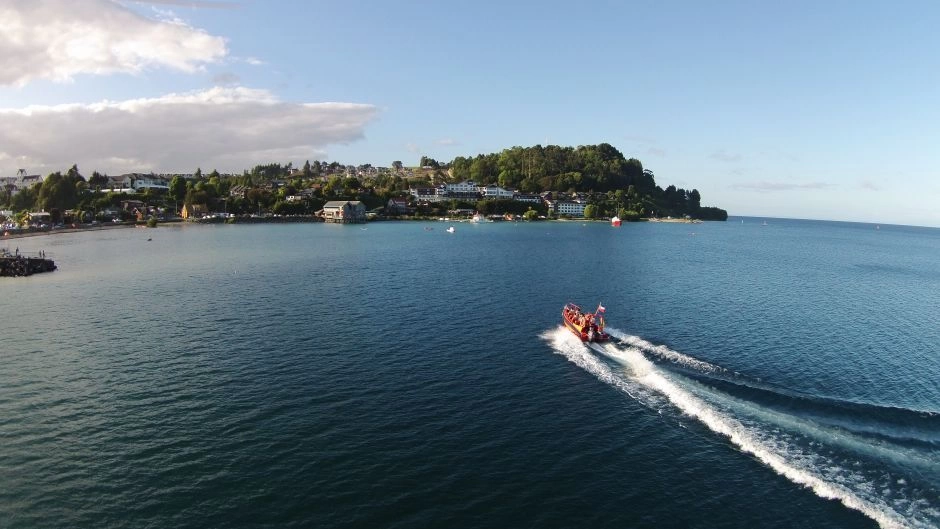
x: 566, y: 344
x: 645, y: 382
x: 664, y: 352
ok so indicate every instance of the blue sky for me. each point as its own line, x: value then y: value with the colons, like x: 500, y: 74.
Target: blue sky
x: 798, y: 109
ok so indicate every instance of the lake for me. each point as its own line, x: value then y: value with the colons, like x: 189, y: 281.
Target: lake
x: 396, y: 375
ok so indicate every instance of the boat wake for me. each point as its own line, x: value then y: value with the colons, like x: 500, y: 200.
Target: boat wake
x: 914, y: 427
x: 886, y: 480
x: 665, y: 353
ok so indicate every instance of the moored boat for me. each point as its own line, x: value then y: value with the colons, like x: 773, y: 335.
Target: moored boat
x: 615, y: 221
x: 589, y: 327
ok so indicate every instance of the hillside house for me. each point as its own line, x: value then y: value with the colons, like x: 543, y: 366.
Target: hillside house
x: 397, y: 206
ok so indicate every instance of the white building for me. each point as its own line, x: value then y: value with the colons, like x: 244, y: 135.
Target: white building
x: 426, y: 194
x: 141, y: 182
x: 521, y: 197
x: 15, y: 184
x: 574, y: 208
x: 120, y: 184
x: 467, y: 186
x: 493, y: 191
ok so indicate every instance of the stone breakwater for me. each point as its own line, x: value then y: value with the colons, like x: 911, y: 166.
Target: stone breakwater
x: 19, y: 265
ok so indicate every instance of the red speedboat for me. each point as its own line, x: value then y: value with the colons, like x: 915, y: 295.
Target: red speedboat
x: 589, y: 327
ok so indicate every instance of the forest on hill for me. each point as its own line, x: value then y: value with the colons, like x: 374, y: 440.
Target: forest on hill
x: 596, y: 169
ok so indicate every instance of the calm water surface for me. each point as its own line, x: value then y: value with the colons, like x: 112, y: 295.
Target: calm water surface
x: 395, y: 375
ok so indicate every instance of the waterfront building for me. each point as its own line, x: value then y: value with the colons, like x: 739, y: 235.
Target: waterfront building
x: 574, y: 208
x: 194, y: 211
x: 344, y: 211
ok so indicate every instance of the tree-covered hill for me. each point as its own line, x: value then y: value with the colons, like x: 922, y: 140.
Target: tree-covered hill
x: 586, y: 168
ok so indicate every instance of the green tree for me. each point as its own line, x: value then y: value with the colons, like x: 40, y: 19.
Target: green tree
x: 58, y: 192
x: 73, y: 173
x: 97, y: 180
x: 590, y: 211
x: 177, y: 188
x: 198, y: 174
x: 333, y: 186
x: 351, y: 185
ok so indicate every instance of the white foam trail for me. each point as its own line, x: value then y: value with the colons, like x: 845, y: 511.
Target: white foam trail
x: 646, y: 375
x: 566, y: 344
x: 825, y: 433
x: 664, y: 352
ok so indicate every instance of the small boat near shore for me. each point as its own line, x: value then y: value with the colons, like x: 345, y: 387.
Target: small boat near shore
x: 589, y: 327
x: 615, y: 221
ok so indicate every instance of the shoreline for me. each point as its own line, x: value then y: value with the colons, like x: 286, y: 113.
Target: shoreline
x: 40, y: 233
x: 124, y: 225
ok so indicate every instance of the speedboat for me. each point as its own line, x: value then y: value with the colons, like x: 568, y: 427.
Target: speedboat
x: 589, y: 327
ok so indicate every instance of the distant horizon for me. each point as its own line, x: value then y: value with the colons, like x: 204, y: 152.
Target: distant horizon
x: 756, y: 106
x: 764, y: 217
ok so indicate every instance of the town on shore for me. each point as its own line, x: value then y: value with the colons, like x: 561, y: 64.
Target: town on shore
x: 534, y: 183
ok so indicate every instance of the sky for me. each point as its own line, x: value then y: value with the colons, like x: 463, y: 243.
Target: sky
x: 802, y: 109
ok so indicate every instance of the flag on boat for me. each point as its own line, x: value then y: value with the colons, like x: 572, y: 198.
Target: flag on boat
x: 600, y: 308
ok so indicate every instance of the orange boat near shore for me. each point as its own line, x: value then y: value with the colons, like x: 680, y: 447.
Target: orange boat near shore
x: 589, y: 327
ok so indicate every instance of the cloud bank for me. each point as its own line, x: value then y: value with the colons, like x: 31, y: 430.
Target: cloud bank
x: 59, y: 39
x: 229, y: 129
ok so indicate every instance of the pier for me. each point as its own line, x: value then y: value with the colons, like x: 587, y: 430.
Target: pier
x: 17, y: 265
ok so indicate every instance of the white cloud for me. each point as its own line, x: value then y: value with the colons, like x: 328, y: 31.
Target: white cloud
x: 447, y: 142
x: 58, y: 39
x: 229, y: 129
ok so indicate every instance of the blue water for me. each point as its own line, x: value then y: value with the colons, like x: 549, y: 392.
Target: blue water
x: 395, y: 375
